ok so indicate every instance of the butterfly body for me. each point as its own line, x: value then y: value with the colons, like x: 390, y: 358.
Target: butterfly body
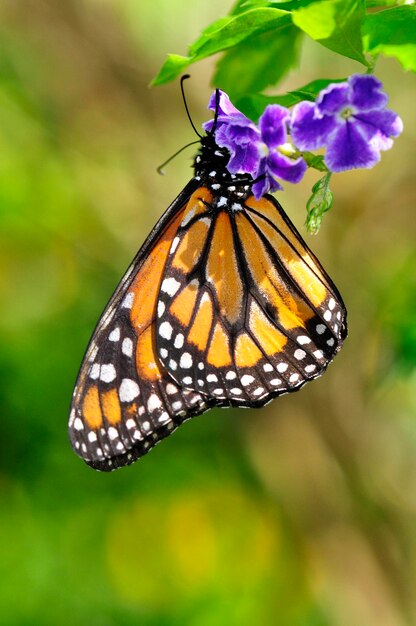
x: 224, y: 305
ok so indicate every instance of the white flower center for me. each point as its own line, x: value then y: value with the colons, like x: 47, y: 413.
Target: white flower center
x: 347, y: 113
x: 263, y: 150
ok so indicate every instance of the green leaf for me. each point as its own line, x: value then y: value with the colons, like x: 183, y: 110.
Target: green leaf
x: 254, y: 105
x: 393, y: 32
x: 258, y: 62
x: 223, y: 34
x: 288, y: 5
x: 374, y: 4
x: 319, y: 203
x: 171, y: 69
x: 336, y: 24
x: 230, y: 31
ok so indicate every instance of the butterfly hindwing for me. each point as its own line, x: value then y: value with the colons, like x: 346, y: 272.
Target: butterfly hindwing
x: 245, y: 310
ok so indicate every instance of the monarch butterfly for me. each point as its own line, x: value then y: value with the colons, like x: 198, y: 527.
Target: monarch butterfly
x: 224, y: 305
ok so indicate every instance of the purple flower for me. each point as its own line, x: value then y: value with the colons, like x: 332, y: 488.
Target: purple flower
x: 351, y: 120
x: 256, y: 150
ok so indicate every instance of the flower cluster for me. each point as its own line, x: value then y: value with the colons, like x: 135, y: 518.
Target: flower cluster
x: 349, y: 119
x: 256, y: 150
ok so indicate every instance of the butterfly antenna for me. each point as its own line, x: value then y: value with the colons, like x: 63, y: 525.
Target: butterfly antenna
x: 185, y: 77
x: 160, y: 168
x: 217, y: 110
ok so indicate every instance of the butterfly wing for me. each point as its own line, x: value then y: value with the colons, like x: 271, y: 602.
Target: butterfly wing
x: 125, y: 401
x: 245, y: 310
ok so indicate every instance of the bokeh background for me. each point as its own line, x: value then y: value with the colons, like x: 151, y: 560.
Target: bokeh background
x: 299, y: 514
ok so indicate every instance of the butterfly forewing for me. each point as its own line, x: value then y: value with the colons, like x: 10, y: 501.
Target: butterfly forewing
x: 245, y: 311
x: 125, y: 400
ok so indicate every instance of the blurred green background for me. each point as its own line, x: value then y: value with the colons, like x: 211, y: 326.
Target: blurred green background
x: 299, y: 514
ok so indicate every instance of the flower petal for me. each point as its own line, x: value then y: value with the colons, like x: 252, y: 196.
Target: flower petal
x: 334, y: 98
x: 309, y: 130
x: 281, y: 166
x: 225, y: 105
x: 367, y: 92
x: 244, y: 159
x: 349, y: 149
x: 386, y: 122
x: 273, y: 125
x: 240, y: 131
x: 265, y: 182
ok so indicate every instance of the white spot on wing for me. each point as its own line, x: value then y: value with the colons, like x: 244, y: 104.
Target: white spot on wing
x: 153, y: 402
x: 107, y: 373
x: 128, y: 390
x: 299, y: 354
x: 170, y: 286
x: 246, y: 379
x: 171, y: 389
x: 114, y: 335
x: 174, y: 245
x: 186, y: 360
x: 165, y: 330
x: 112, y: 433
x: 188, y: 216
x: 128, y: 300
x: 95, y: 371
x: 127, y: 346
x: 179, y: 339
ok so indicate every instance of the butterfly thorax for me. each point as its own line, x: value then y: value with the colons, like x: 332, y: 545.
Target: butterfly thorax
x: 210, y: 166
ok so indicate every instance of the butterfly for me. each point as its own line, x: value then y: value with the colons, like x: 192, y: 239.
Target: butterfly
x: 224, y: 305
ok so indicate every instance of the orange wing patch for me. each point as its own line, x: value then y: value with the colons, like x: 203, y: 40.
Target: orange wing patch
x: 190, y: 248
x: 201, y: 327
x: 219, y: 349
x: 276, y: 216
x: 269, y: 337
x: 111, y: 406
x: 309, y: 281
x: 183, y: 305
x: 91, y: 408
x: 247, y: 353
x: 146, y: 285
x: 222, y: 270
x: 291, y: 310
